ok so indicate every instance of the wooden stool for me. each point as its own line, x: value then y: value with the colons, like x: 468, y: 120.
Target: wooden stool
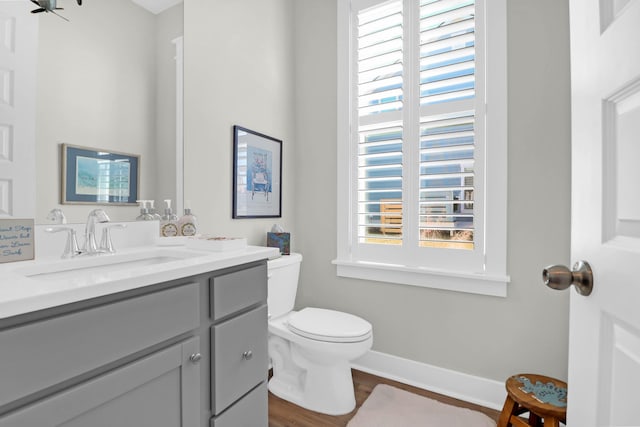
x: 528, y: 393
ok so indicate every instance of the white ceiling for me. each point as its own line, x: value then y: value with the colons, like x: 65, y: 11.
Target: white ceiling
x: 156, y: 6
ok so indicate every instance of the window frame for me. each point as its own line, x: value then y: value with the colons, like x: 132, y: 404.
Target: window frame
x: 486, y: 275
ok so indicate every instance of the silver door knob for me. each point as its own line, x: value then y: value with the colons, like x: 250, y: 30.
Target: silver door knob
x: 560, y: 277
x: 195, y: 358
x: 247, y: 355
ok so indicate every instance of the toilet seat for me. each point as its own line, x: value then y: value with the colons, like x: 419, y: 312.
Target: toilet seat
x: 329, y: 325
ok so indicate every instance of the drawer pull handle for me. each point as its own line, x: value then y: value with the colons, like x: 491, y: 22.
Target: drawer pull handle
x: 195, y: 358
x: 247, y: 355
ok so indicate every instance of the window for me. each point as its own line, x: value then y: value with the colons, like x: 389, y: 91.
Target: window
x: 422, y: 143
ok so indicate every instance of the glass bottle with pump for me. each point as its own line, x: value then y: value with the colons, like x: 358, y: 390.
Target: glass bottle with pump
x: 169, y: 222
x: 153, y: 211
x: 144, y: 212
x: 188, y: 222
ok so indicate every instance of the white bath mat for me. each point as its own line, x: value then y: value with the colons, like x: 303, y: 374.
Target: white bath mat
x: 389, y: 406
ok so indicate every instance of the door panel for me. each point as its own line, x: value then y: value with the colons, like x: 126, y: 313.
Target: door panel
x: 604, y: 347
x: 620, y: 372
x: 621, y: 127
x: 18, y: 49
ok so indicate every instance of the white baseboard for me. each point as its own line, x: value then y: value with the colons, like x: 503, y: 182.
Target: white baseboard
x: 478, y: 390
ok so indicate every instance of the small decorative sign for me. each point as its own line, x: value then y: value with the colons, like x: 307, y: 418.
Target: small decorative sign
x: 16, y: 240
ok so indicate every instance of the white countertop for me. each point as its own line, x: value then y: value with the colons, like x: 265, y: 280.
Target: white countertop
x: 23, y: 291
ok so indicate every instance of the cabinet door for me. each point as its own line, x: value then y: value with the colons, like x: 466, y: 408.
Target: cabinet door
x: 160, y: 390
x: 239, y: 357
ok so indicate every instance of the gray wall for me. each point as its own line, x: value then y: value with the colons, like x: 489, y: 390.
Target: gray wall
x: 238, y: 71
x: 485, y: 336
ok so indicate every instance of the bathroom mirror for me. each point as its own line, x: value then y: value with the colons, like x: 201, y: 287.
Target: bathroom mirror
x: 108, y: 78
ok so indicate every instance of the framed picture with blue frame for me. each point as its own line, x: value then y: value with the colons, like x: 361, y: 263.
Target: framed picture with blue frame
x: 95, y: 176
x: 257, y: 174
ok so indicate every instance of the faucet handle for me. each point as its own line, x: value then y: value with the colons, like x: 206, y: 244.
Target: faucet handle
x: 56, y: 216
x: 71, y: 248
x: 106, y: 245
x: 100, y: 215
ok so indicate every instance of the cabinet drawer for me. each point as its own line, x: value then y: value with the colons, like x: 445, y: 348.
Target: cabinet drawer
x: 251, y: 411
x: 241, y: 289
x: 235, y: 370
x: 43, y: 354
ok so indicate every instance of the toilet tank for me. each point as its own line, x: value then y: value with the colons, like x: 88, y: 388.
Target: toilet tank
x: 282, y: 285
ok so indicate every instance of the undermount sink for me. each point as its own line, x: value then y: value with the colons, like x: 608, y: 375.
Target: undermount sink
x: 75, y: 272
x: 102, y: 267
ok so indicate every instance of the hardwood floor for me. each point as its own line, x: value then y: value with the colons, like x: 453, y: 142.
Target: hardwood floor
x: 285, y: 414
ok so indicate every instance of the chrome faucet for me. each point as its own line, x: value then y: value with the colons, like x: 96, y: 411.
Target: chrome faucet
x: 95, y: 216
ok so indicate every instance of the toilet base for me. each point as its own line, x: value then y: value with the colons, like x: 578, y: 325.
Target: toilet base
x: 313, y: 374
x: 327, y: 389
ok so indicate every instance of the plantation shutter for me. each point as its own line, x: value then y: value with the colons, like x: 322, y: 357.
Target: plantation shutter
x: 443, y: 123
x: 447, y: 123
x: 447, y: 50
x: 380, y: 128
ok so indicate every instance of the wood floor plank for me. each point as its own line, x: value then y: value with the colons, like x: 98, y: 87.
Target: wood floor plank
x: 286, y: 414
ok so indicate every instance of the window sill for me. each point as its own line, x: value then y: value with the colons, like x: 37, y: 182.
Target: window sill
x: 474, y: 283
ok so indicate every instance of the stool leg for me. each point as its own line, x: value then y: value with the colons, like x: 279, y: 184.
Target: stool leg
x: 510, y: 407
x: 535, y: 420
x: 551, y: 422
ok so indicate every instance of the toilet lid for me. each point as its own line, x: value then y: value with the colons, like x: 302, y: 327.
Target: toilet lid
x: 329, y: 325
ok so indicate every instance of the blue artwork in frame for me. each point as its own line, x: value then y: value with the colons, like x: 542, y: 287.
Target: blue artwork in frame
x: 257, y: 174
x: 97, y: 176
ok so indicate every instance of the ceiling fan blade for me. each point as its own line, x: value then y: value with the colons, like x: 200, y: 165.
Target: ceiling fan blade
x: 57, y: 14
x: 35, y: 2
x: 39, y: 10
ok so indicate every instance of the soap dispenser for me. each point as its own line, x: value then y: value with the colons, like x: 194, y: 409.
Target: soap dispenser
x: 169, y: 222
x: 188, y: 222
x: 144, y: 212
x: 153, y: 211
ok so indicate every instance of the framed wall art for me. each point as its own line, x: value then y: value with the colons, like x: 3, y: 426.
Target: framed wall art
x: 94, y: 176
x: 257, y: 175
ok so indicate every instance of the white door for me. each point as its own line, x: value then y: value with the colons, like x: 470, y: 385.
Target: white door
x: 604, y: 347
x: 18, y: 43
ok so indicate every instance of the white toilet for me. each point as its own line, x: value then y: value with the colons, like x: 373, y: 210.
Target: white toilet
x: 310, y: 349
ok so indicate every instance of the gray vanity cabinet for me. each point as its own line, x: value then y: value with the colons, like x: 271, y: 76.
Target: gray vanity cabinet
x: 186, y: 353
